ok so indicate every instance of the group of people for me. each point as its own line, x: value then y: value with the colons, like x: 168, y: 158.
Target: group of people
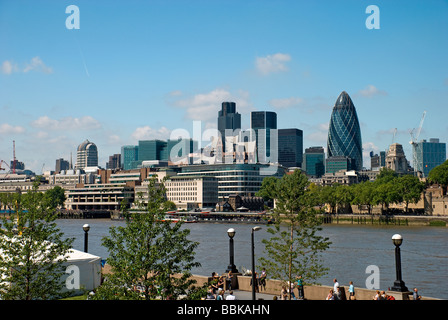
x: 216, y: 289
x: 260, y: 281
x: 289, y: 290
x: 337, y: 294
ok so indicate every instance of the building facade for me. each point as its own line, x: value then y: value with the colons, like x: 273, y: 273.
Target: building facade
x: 290, y: 147
x: 428, y: 154
x: 314, y: 161
x: 344, y: 133
x: 396, y: 159
x: 87, y: 155
x: 228, y: 118
x: 264, y: 125
x: 129, y: 155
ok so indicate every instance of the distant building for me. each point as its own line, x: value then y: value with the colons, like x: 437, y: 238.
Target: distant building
x: 338, y: 163
x: 152, y: 150
x: 228, y: 118
x: 344, y: 133
x: 129, y: 155
x: 263, y: 122
x: 314, y: 161
x: 61, y: 164
x: 290, y: 147
x: 396, y: 159
x: 87, y: 155
x: 429, y: 155
x: 114, y: 162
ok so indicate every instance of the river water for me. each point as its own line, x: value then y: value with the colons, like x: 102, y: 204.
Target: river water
x: 424, y: 254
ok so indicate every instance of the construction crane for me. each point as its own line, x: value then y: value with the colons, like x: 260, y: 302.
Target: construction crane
x: 414, y: 144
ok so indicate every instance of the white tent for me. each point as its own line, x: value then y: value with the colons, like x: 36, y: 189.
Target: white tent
x: 83, y: 271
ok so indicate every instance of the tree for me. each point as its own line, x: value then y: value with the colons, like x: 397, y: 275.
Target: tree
x: 268, y: 189
x: 363, y: 194
x: 33, y: 249
x: 410, y: 188
x: 56, y: 196
x: 148, y: 252
x: 439, y: 175
x: 294, y: 247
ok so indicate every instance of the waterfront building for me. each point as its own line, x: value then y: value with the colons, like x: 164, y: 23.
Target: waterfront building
x: 72, y: 177
x: 243, y: 179
x: 428, y: 154
x: 314, y: 161
x: 228, y: 118
x: 396, y: 159
x: 189, y: 192
x: 109, y: 196
x: 263, y: 124
x: 129, y: 155
x: 87, y: 155
x: 290, y: 147
x: 344, y: 133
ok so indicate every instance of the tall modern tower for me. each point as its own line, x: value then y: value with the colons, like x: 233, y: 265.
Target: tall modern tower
x: 290, y: 147
x: 87, y: 155
x: 228, y: 118
x: 428, y: 155
x: 263, y: 120
x: 344, y: 133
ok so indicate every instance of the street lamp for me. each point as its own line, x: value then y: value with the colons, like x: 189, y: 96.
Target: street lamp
x: 253, y: 261
x: 231, y: 267
x: 86, y: 229
x: 399, y: 283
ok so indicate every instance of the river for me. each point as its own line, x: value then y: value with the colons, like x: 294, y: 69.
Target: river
x: 424, y: 254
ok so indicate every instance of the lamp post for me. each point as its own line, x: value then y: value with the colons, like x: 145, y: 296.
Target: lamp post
x: 399, y: 283
x: 253, y: 261
x: 231, y: 267
x: 86, y: 229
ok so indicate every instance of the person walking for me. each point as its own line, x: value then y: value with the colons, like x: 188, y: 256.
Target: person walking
x: 300, y: 288
x: 415, y: 295
x: 351, y: 291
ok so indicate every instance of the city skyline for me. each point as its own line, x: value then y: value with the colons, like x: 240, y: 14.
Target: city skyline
x: 139, y: 70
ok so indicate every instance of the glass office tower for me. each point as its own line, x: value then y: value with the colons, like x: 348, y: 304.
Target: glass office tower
x: 344, y: 133
x: 428, y: 155
x: 262, y: 122
x: 290, y: 147
x: 228, y: 118
x: 314, y: 161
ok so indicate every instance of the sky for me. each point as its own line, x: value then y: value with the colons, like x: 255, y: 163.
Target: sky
x: 136, y: 70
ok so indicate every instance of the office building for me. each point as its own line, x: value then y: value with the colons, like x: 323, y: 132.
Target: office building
x: 263, y: 123
x: 344, y: 133
x: 338, y: 163
x: 428, y: 154
x: 180, y: 151
x: 61, y: 164
x: 290, y: 147
x: 114, y: 162
x: 314, y: 161
x: 87, y: 155
x: 152, y: 150
x: 129, y: 155
x: 228, y: 118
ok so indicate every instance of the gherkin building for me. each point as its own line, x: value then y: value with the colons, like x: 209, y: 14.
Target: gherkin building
x: 344, y: 133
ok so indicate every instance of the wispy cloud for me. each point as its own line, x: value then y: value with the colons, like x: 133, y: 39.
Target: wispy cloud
x: 272, y: 63
x: 148, y: 133
x: 68, y: 123
x: 371, y: 91
x: 36, y: 64
x: 6, y: 128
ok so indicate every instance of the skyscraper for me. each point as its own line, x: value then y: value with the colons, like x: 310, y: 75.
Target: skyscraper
x: 290, y: 147
x: 429, y: 155
x: 228, y: 118
x: 262, y: 122
x: 344, y: 133
x: 129, y: 156
x: 87, y: 155
x: 314, y: 161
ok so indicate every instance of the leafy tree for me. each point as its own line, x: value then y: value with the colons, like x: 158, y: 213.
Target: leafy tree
x: 33, y: 249
x: 344, y: 197
x: 147, y: 253
x: 56, y: 196
x: 439, y: 175
x: 363, y: 194
x: 410, y: 188
x: 386, y: 193
x: 268, y: 189
x: 295, y: 247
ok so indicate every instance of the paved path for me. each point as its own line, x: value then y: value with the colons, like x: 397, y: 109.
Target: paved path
x: 247, y: 295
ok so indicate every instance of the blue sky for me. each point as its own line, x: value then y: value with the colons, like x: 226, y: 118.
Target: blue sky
x: 137, y: 70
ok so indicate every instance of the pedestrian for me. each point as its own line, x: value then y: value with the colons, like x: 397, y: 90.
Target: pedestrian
x: 284, y: 293
x: 415, y: 295
x: 263, y: 279
x: 330, y: 295
x: 220, y: 295
x: 229, y: 280
x: 256, y: 282
x: 335, y: 284
x: 230, y: 296
x: 220, y: 283
x: 337, y: 294
x: 210, y: 295
x: 351, y: 291
x: 300, y: 287
x: 383, y: 295
x: 377, y: 295
x: 291, y: 290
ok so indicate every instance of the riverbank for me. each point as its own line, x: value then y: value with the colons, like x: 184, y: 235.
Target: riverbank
x: 398, y: 220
